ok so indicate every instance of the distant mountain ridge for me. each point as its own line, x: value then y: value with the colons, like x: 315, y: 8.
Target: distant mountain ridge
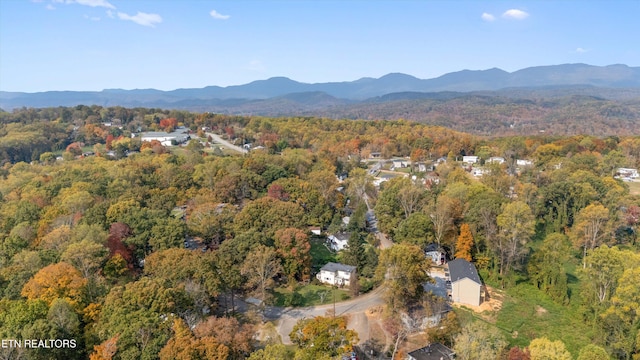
x: 612, y: 76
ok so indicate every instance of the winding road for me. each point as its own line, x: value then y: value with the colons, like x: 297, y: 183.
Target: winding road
x: 219, y: 140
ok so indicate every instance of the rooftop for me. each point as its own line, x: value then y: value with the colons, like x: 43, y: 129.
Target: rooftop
x: 461, y: 268
x: 334, y: 267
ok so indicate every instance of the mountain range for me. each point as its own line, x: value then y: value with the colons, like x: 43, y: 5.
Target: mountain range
x: 554, y: 100
x: 320, y: 95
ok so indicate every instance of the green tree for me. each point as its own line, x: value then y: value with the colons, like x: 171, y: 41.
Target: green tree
x: 593, y: 352
x: 261, y: 267
x: 272, y: 352
x: 167, y: 233
x: 138, y: 313
x: 545, y: 349
x: 323, y: 336
x: 479, y: 341
x: 516, y: 223
x: 416, y: 229
x: 546, y: 267
x: 354, y: 253
x: 590, y: 228
x: 621, y: 321
x: 604, y: 266
x: 404, y: 269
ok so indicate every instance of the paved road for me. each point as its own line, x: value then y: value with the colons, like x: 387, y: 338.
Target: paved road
x: 224, y: 142
x: 287, y: 317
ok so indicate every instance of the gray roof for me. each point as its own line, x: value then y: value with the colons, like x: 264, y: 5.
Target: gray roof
x: 435, y: 351
x: 335, y: 267
x: 461, y: 268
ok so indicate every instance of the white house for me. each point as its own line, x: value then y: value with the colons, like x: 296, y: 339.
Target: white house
x: 466, y: 286
x: 401, y: 164
x: 627, y: 173
x: 337, y: 274
x: 495, y: 159
x: 523, y: 162
x: 478, y: 172
x: 338, y: 241
x: 435, y: 253
x: 315, y: 230
x: 471, y: 159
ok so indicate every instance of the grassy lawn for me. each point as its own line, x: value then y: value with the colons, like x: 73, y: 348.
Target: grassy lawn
x: 527, y: 313
x: 634, y: 187
x: 307, y: 295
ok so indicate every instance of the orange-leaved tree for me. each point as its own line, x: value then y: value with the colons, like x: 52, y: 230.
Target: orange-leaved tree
x: 56, y: 281
x: 464, y: 244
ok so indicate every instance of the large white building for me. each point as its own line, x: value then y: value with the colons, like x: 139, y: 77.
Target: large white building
x: 178, y: 136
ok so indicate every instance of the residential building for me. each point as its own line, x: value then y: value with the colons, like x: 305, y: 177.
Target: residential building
x: 495, y: 159
x: 466, y: 286
x: 401, y: 164
x: 627, y: 173
x: 471, y: 159
x: 338, y: 241
x: 524, y: 162
x: 435, y: 253
x: 337, y: 274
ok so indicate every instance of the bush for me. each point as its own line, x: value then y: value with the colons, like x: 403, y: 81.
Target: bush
x: 293, y: 299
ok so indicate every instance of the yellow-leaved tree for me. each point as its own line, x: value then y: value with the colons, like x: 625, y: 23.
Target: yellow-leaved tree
x: 56, y: 281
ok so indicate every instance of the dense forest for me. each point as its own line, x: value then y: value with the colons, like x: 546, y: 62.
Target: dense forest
x: 140, y: 251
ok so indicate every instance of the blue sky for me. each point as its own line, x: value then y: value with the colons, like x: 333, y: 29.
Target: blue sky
x: 102, y: 44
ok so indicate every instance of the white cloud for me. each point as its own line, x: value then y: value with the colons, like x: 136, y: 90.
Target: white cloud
x: 92, y: 3
x: 110, y: 14
x: 216, y: 15
x: 141, y: 18
x: 50, y: 7
x: 96, y: 3
x: 515, y: 14
x: 92, y: 18
x: 581, y: 50
x: 487, y: 17
x: 256, y: 65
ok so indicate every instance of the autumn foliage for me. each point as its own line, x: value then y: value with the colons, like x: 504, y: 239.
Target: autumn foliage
x: 56, y: 281
x: 464, y: 244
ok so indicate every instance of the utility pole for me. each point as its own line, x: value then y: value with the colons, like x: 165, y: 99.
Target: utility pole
x: 333, y: 290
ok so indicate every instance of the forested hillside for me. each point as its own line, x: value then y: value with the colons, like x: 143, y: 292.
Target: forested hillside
x: 139, y: 250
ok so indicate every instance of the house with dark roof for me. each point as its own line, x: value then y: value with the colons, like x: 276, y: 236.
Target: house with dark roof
x: 435, y: 253
x: 337, y: 274
x: 464, y: 286
x: 435, y: 351
x: 339, y: 240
